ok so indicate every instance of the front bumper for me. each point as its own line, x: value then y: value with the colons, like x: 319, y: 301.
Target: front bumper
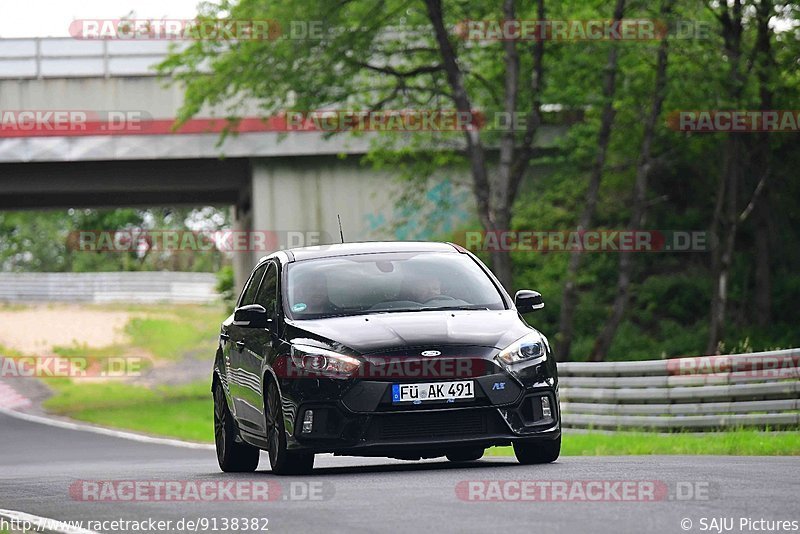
x: 360, y: 418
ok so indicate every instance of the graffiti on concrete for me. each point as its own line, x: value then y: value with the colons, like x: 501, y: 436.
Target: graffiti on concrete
x: 445, y: 207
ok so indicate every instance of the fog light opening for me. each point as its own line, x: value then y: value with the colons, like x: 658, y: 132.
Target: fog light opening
x: 545, y: 407
x: 308, y: 421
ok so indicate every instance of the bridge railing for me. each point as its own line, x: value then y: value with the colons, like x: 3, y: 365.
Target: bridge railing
x: 704, y: 393
x: 65, y: 57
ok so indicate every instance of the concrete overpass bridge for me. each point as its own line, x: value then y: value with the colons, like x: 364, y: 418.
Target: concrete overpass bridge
x: 296, y: 181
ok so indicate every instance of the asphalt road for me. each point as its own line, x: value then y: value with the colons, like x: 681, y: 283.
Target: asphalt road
x: 41, y: 467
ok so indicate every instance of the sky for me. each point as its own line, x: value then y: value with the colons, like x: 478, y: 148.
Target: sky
x: 51, y: 18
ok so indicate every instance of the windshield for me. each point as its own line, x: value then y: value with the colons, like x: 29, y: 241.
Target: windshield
x: 388, y: 282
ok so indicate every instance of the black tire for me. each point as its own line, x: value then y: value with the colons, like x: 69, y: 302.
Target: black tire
x: 282, y: 461
x: 538, y: 452
x: 465, y: 455
x: 232, y: 456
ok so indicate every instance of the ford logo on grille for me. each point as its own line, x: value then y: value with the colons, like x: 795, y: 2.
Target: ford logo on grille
x: 431, y: 353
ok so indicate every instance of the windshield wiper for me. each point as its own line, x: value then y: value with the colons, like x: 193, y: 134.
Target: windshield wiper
x: 394, y: 310
x: 434, y: 308
x: 353, y: 313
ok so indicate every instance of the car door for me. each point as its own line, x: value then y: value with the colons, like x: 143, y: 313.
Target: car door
x: 259, y: 342
x: 239, y: 380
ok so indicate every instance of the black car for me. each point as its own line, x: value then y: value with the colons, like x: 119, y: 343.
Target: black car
x: 402, y: 349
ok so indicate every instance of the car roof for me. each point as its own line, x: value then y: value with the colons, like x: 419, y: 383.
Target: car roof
x: 363, y: 247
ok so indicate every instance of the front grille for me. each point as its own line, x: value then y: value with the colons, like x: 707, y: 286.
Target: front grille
x: 432, y: 424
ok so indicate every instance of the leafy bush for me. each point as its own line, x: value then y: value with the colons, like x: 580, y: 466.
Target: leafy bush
x: 226, y: 286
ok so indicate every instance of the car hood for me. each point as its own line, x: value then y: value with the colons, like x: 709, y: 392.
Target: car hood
x: 378, y: 332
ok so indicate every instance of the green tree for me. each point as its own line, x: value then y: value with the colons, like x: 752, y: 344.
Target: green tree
x: 632, y: 170
x: 379, y: 55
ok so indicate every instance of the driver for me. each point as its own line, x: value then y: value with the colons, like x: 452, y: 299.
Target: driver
x: 311, y: 293
x: 425, y: 288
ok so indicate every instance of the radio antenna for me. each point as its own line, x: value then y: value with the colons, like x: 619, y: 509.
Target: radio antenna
x: 341, y: 233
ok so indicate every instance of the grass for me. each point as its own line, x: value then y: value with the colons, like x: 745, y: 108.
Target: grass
x: 170, y: 336
x: 182, y: 412
x: 738, y: 442
x: 104, y: 360
x: 84, y: 351
x: 10, y: 353
x: 166, y: 333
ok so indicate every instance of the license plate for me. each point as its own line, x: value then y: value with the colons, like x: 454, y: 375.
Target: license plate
x: 433, y: 391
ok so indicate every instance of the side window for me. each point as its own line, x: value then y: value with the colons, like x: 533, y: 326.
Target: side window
x: 268, y: 294
x: 249, y: 293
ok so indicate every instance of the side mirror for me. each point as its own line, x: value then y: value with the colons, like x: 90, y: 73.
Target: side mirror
x: 527, y: 301
x: 251, y: 316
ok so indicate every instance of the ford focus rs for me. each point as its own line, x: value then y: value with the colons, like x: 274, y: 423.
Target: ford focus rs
x: 407, y: 350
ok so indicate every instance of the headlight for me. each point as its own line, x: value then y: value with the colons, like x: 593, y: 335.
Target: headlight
x: 531, y: 348
x: 321, y: 362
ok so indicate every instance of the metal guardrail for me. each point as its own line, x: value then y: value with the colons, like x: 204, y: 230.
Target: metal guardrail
x: 145, y: 286
x: 705, y: 393
x: 65, y: 57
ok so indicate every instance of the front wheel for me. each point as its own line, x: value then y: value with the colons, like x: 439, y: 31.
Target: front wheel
x: 537, y: 452
x: 283, y: 461
x: 232, y: 456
